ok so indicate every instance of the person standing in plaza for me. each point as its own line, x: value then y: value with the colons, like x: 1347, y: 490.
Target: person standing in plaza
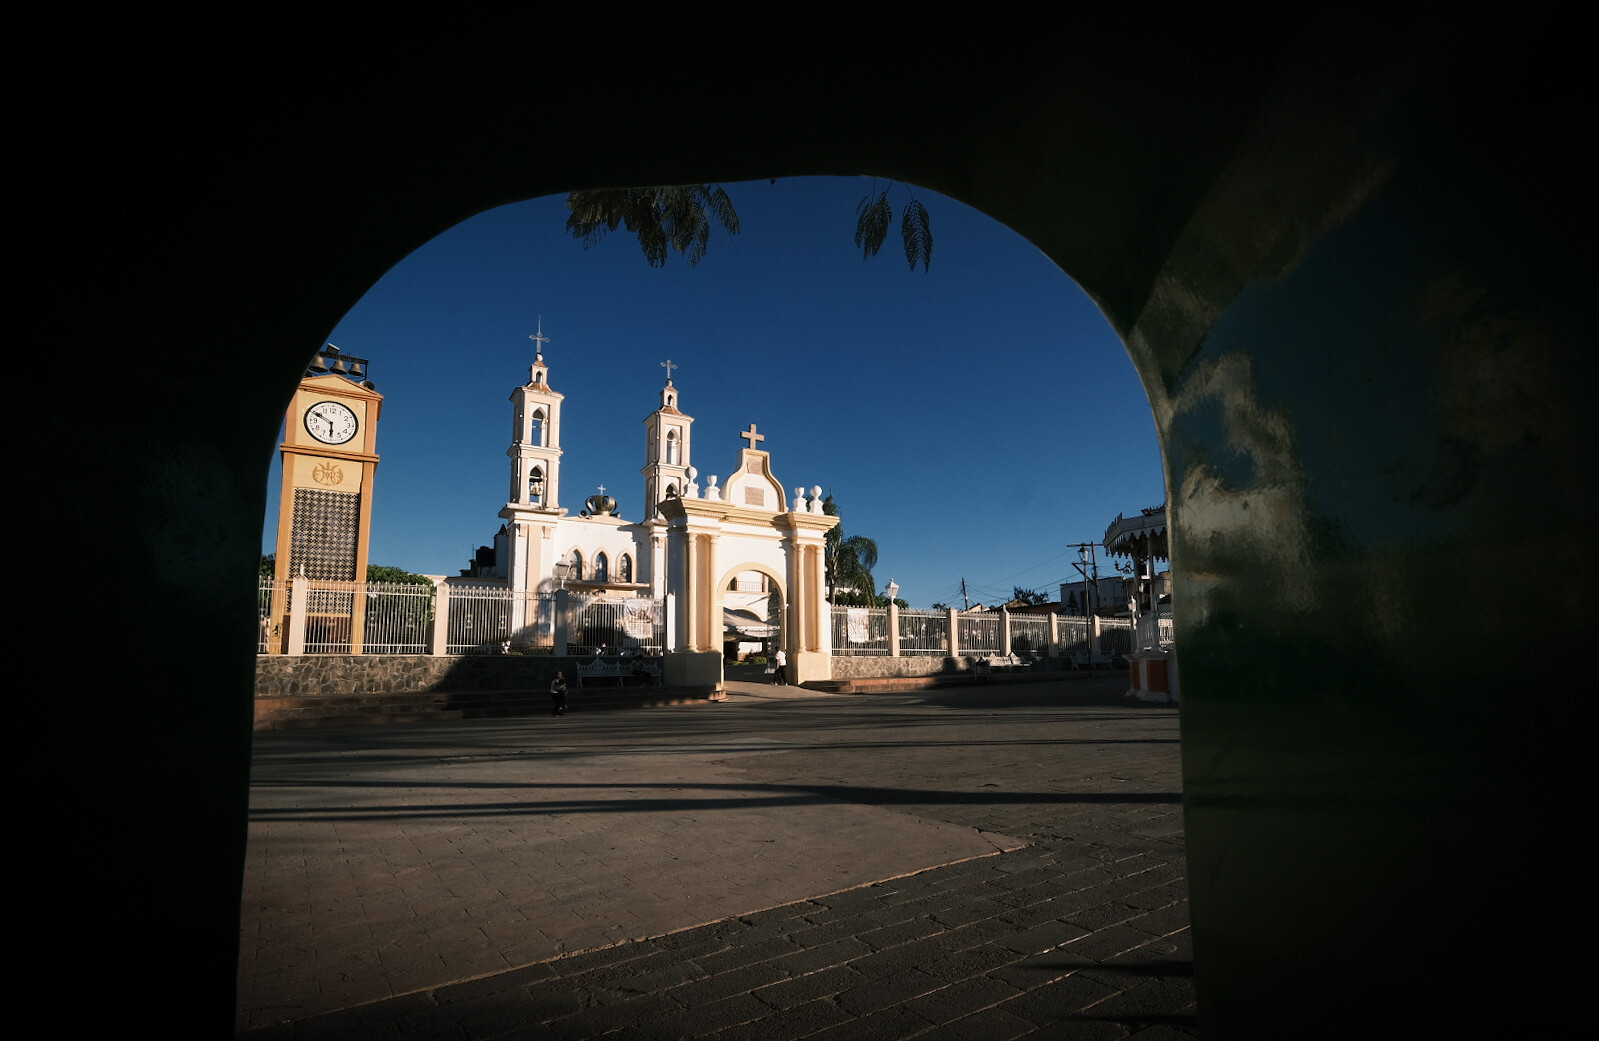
x: 781, y: 661
x: 558, y: 694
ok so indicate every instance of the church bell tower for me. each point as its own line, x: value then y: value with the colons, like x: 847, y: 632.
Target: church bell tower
x: 666, y: 449
x: 534, y: 506
x: 536, y: 439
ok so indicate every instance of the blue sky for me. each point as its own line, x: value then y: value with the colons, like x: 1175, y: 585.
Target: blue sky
x: 974, y: 419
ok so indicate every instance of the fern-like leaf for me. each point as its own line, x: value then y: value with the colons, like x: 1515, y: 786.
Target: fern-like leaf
x: 714, y: 200
x: 595, y: 212
x: 916, y: 228
x: 873, y: 216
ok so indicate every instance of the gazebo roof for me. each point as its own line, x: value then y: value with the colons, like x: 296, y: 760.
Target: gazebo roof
x: 1143, y: 536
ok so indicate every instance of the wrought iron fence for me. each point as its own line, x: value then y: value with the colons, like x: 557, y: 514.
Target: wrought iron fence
x: 398, y: 617
x: 1115, y: 636
x: 479, y: 620
x: 1029, y: 635
x: 266, y: 625
x: 329, y: 616
x: 491, y: 620
x: 390, y: 618
x: 979, y: 632
x: 923, y: 632
x: 860, y: 630
x: 1073, y: 634
x: 634, y: 625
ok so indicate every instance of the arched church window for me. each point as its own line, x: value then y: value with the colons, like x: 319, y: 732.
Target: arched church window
x: 671, y: 448
x: 671, y: 491
x: 602, y: 569
x: 535, y: 486
x: 537, y: 431
x: 624, y: 568
x: 577, y: 566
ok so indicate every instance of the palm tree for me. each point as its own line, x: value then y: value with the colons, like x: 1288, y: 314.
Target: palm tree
x: 678, y: 216
x: 849, y: 561
x: 664, y: 218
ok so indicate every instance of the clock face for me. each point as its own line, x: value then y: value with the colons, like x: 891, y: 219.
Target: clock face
x: 330, y: 422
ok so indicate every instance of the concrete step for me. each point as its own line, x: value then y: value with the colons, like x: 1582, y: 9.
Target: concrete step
x: 900, y: 684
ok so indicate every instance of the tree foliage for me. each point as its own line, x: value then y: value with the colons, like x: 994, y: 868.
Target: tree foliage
x: 664, y: 218
x: 1028, y: 596
x: 849, y: 561
x: 374, y: 573
x: 395, y: 576
x: 679, y: 217
x: 875, y: 215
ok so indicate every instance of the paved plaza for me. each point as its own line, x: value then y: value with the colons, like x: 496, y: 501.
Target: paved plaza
x: 984, y: 862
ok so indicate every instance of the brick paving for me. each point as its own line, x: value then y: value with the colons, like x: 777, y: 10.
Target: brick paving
x: 987, y: 862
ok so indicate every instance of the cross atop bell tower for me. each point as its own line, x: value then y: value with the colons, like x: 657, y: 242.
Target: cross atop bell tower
x: 539, y: 373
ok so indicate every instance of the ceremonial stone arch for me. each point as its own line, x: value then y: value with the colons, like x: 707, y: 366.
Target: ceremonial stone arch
x: 748, y: 526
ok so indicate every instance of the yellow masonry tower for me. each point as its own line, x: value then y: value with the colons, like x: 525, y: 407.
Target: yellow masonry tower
x: 330, y: 458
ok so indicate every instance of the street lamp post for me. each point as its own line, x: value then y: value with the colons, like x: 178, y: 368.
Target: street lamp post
x: 1088, y: 566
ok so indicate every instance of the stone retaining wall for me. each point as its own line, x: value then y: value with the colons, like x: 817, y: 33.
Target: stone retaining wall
x: 874, y: 666
x: 868, y: 666
x: 309, y: 675
x: 281, y: 675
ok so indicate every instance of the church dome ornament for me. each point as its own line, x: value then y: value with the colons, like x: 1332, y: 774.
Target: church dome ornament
x: 600, y: 505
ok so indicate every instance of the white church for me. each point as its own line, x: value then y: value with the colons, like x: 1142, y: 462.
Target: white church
x: 715, y: 554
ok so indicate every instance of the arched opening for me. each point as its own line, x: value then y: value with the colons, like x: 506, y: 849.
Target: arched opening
x: 1313, y: 262
x: 752, y: 602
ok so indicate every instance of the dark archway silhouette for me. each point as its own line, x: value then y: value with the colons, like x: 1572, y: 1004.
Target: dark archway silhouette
x: 1348, y: 262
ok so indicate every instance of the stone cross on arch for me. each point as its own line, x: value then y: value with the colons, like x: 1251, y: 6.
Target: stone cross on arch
x: 751, y: 436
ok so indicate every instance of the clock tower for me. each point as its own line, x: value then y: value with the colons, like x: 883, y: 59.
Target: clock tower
x: 330, y: 458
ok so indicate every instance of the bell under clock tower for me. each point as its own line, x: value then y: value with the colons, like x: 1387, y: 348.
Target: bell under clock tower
x: 329, y: 454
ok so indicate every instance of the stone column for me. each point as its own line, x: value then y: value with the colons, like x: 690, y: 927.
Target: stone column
x: 299, y: 607
x: 439, y: 631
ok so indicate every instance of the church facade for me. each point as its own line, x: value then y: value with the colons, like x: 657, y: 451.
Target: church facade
x: 735, y: 561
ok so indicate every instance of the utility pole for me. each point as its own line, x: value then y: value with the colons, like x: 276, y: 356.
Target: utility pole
x: 964, y: 598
